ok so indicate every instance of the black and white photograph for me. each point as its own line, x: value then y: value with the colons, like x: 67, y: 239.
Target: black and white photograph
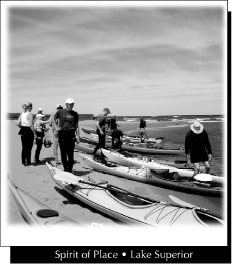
x: 114, y: 123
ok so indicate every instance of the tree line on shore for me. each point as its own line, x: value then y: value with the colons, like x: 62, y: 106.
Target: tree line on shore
x: 15, y: 116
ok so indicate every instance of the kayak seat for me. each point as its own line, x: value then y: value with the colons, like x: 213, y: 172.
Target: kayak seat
x: 44, y: 213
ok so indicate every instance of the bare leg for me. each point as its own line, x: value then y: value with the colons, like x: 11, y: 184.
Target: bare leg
x: 207, y: 167
x: 196, y: 169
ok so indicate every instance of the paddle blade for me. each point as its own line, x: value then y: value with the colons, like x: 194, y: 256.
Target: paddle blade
x: 203, y: 177
x: 181, y: 202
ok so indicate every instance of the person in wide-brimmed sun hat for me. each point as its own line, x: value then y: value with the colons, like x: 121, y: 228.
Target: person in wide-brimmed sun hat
x: 197, y: 147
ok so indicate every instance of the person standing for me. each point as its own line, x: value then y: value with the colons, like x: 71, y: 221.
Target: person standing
x: 142, y: 130
x: 101, y: 129
x: 117, y: 136
x: 113, y: 123
x: 198, y: 148
x: 39, y: 130
x: 68, y: 133
x: 27, y: 133
x: 53, y: 124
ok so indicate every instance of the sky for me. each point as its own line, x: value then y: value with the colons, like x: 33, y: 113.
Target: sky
x: 134, y: 59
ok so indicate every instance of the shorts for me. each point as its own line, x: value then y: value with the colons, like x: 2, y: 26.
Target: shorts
x: 199, y: 157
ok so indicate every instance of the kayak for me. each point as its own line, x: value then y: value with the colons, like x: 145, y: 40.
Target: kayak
x: 86, y: 148
x: 93, y: 131
x: 138, y: 148
x: 164, y: 178
x: 126, y: 138
x: 36, y: 213
x: 131, y: 208
x: 116, y: 157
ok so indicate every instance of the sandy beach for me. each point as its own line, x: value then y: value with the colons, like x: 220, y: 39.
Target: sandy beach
x: 37, y: 182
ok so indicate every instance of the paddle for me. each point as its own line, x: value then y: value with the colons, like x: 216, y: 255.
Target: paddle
x: 203, y: 177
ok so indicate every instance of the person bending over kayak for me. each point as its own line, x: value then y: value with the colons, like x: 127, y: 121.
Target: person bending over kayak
x: 113, y: 123
x: 117, y: 139
x: 198, y: 148
x: 39, y: 130
x: 68, y: 133
x: 101, y: 130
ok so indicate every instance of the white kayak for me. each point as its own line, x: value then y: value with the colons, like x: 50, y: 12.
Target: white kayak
x: 159, y: 176
x: 132, y: 208
x: 36, y: 213
x: 119, y: 158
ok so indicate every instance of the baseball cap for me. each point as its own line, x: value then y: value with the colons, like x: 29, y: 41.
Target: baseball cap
x: 59, y: 105
x: 107, y: 110
x: 40, y: 109
x: 39, y: 115
x: 70, y: 101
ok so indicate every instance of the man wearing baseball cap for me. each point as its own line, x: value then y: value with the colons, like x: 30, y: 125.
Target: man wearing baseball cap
x: 101, y: 127
x: 68, y: 133
x: 197, y: 147
x: 53, y: 124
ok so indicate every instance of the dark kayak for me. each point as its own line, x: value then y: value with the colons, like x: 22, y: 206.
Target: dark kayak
x: 139, y: 148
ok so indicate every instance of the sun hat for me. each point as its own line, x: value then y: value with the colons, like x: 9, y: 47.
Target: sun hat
x: 197, y: 127
x: 40, y: 115
x: 107, y: 110
x: 70, y: 101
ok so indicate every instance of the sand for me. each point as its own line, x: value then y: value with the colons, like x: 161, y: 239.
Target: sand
x: 36, y: 181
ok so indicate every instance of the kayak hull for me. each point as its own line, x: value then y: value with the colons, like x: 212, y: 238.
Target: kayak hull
x: 133, y: 148
x: 137, y: 173
x: 131, y: 208
x: 36, y: 213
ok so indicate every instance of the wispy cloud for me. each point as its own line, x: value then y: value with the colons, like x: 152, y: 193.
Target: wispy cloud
x: 116, y: 55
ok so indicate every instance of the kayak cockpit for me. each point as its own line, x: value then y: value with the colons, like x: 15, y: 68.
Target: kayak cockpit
x: 128, y: 199
x: 207, y: 219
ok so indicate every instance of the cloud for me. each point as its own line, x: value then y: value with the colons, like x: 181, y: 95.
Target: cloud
x: 115, y: 54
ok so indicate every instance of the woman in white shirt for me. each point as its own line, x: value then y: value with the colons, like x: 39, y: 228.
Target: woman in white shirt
x: 25, y: 122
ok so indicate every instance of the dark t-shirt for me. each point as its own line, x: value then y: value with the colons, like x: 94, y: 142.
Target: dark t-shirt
x: 68, y: 120
x: 113, y: 124
x: 197, y: 143
x: 142, y: 124
x: 116, y: 134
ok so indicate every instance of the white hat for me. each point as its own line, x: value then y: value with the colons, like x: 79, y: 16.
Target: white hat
x: 40, y: 115
x: 40, y: 109
x: 197, y: 127
x: 59, y: 105
x: 70, y: 101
